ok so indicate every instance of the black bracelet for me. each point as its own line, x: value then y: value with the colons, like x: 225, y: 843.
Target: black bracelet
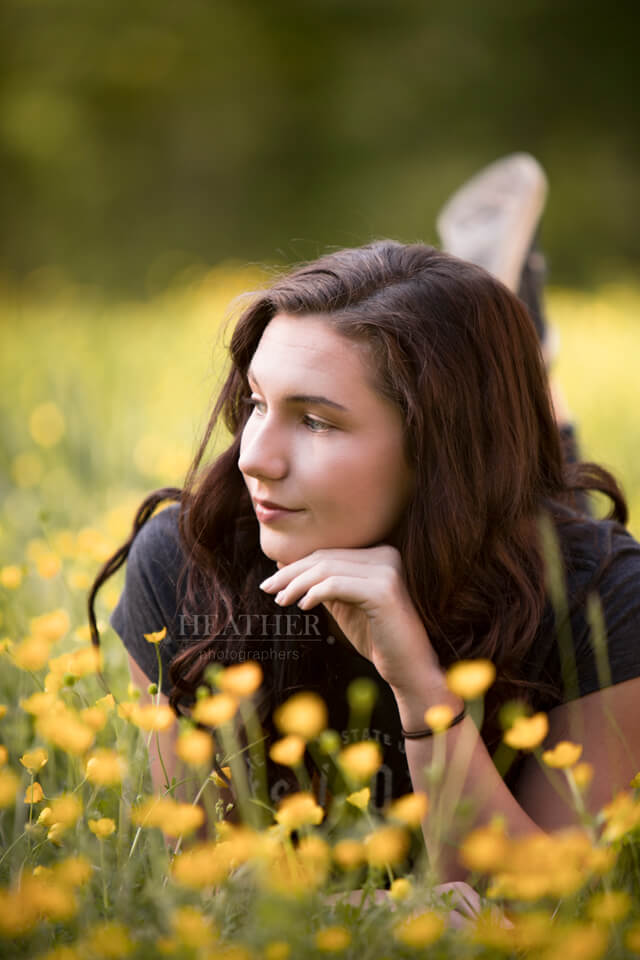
x: 428, y: 732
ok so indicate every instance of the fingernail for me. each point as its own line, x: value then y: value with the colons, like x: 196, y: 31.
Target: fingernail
x: 265, y: 584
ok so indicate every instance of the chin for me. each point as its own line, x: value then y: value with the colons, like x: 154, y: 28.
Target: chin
x: 282, y: 552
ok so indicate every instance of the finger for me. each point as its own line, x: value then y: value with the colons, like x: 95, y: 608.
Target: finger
x: 296, y: 588
x: 365, y: 556
x: 345, y: 588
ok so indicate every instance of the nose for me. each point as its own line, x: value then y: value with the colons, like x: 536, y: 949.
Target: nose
x: 262, y: 450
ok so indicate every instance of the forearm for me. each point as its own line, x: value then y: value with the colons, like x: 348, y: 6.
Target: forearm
x: 467, y: 772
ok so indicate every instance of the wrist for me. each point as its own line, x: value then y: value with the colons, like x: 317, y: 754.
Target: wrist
x: 430, y: 692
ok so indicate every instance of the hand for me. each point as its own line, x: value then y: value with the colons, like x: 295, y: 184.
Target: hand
x: 365, y: 593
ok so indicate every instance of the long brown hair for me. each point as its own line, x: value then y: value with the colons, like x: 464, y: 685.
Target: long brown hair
x: 458, y: 353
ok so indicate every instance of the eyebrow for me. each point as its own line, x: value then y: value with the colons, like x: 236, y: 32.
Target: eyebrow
x: 303, y: 397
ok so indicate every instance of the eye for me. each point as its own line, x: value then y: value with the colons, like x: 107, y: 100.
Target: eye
x: 251, y: 401
x: 314, y: 425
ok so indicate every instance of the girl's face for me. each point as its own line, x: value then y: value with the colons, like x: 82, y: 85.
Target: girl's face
x: 321, y: 443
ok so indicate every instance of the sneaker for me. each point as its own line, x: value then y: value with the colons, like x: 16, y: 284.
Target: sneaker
x: 492, y: 219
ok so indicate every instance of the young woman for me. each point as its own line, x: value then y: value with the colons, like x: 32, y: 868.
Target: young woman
x: 393, y: 449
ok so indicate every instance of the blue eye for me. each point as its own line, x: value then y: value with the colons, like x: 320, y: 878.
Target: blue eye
x: 311, y: 422
x: 314, y: 425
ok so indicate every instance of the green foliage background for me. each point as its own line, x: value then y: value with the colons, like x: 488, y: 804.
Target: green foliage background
x: 139, y: 139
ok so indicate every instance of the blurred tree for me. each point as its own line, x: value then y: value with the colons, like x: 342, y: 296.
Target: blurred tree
x: 137, y: 139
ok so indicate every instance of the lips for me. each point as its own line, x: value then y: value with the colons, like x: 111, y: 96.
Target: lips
x: 270, y: 505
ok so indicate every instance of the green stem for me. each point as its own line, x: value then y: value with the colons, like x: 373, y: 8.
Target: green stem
x: 105, y: 897
x: 238, y: 773
x: 164, y: 769
x: 256, y: 738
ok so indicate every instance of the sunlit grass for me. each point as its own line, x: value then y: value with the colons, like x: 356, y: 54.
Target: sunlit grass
x: 99, y: 405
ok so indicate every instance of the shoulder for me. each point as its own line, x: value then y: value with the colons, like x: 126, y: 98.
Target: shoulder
x: 603, y: 590
x: 598, y: 554
x: 157, y: 549
x: 152, y: 595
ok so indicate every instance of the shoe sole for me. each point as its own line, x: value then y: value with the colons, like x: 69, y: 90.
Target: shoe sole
x: 492, y: 218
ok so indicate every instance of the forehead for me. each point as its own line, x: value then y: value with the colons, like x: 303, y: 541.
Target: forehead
x: 294, y: 349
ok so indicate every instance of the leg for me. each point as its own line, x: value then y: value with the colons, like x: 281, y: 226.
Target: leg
x: 492, y: 220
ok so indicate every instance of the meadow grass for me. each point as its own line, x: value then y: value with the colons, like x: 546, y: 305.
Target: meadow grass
x: 100, y: 404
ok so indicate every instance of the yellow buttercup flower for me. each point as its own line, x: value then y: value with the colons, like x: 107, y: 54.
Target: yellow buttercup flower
x: 39, y: 703
x: 105, y: 768
x: 332, y: 939
x: 277, y: 950
x: 106, y: 703
x: 4, y: 755
x: 153, y: 717
x: 53, y: 682
x: 439, y: 717
x: 48, y: 565
x: 78, y: 663
x: 45, y: 817
x: 565, y: 754
x: 621, y: 816
x: 580, y: 942
x: 349, y: 854
x: 17, y: 915
x: 632, y: 938
x: 609, y: 906
x: 299, y: 810
x: 215, y: 711
x: 103, y: 827
x: 34, y: 793
x: 421, y: 930
x: 410, y: 809
x: 31, y: 653
x: 51, y: 626
x: 94, y: 717
x: 527, y: 733
x: 204, y: 865
x: 64, y: 729
x: 360, y: 760
x: 79, y: 580
x: 46, y: 424
x: 192, y: 928
x: 217, y: 779
x: 109, y: 941
x: 73, y: 872
x: 470, y: 679
x: 11, y: 577
x: 9, y: 786
x: 484, y: 849
x: 293, y: 873
x: 400, y: 889
x: 195, y: 748
x: 172, y: 817
x: 387, y: 845
x: 156, y: 637
x: 56, y: 833
x: 288, y: 751
x: 65, y: 810
x: 51, y: 900
x: 582, y: 775
x: 360, y: 798
x: 34, y: 760
x: 240, y: 680
x: 304, y: 714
